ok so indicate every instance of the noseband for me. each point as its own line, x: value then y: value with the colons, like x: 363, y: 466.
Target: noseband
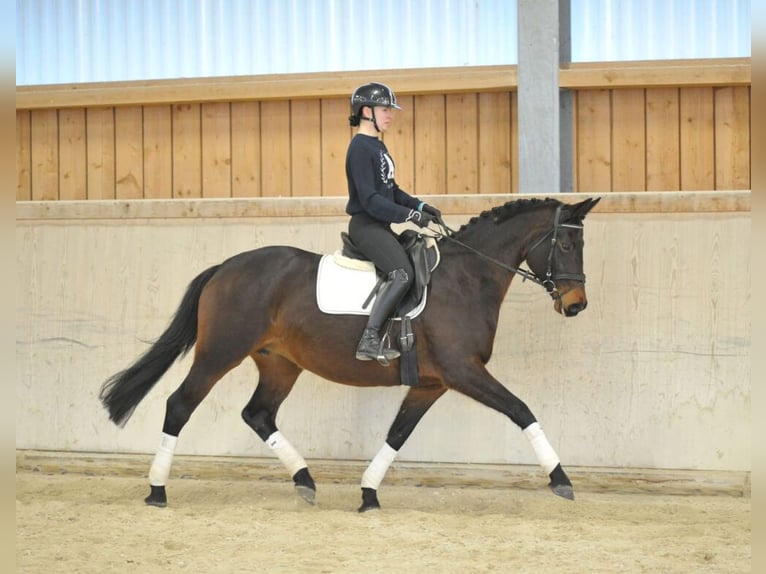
x: 548, y: 282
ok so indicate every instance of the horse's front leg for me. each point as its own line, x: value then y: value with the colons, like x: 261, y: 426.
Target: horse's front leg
x: 417, y: 401
x: 477, y: 383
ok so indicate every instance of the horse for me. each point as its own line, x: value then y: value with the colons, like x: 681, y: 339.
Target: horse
x: 261, y: 304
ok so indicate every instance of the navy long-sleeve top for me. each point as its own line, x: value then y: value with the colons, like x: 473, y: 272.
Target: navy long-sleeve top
x: 371, y: 184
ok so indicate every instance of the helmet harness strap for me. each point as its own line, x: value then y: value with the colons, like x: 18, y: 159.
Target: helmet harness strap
x: 372, y: 119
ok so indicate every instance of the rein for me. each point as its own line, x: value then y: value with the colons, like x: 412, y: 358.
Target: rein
x: 548, y: 281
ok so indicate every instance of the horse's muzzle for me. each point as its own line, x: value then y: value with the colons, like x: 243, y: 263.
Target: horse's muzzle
x: 573, y: 310
x: 570, y: 302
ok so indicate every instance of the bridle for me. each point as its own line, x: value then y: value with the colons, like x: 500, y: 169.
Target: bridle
x: 548, y: 282
x: 550, y: 278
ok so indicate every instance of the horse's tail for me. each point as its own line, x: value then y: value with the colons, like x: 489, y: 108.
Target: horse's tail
x: 121, y: 393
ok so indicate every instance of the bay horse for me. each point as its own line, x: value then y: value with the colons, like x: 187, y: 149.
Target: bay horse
x: 261, y: 304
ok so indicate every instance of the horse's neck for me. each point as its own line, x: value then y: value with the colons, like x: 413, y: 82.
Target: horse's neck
x: 489, y: 278
x: 506, y: 243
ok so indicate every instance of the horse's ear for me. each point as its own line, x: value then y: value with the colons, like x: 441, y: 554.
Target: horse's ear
x: 580, y: 210
x: 591, y: 203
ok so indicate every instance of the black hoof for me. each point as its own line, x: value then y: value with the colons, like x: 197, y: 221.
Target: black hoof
x: 563, y: 490
x: 560, y: 483
x: 369, y: 500
x: 304, y: 486
x: 306, y: 494
x: 157, y: 497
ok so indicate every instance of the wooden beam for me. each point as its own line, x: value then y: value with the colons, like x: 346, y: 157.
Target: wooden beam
x: 656, y: 73
x: 615, y: 202
x: 420, y: 81
x: 266, y: 87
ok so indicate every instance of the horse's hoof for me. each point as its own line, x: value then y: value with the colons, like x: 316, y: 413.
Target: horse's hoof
x: 369, y: 500
x: 157, y: 497
x: 560, y: 483
x: 305, y: 486
x: 306, y: 493
x: 368, y: 507
x: 564, y: 491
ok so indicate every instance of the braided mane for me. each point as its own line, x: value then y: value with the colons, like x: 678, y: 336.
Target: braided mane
x: 510, y: 209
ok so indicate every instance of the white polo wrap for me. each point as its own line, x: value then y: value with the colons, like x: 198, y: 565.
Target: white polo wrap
x: 163, y: 459
x: 546, y: 456
x: 374, y: 474
x: 290, y: 457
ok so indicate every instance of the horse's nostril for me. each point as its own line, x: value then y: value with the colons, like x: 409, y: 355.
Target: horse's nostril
x: 574, y: 309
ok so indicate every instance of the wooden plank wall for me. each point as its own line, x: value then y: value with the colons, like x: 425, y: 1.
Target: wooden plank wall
x: 662, y: 139
x: 293, y: 148
x: 448, y: 139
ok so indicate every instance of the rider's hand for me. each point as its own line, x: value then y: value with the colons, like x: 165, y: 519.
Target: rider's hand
x: 420, y: 218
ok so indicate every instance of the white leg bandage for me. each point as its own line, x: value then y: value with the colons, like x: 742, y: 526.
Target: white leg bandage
x: 290, y: 457
x: 374, y: 474
x: 546, y: 456
x: 163, y: 459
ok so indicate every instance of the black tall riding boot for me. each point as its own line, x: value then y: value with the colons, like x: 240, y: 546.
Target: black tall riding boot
x: 388, y: 297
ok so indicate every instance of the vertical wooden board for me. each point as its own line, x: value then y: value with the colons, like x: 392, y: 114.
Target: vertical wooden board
x: 158, y: 152
x: 628, y: 140
x: 430, y: 145
x: 187, y: 151
x: 23, y: 156
x: 246, y: 149
x: 697, y: 139
x: 594, y: 146
x: 216, y: 149
x: 462, y: 143
x: 336, y: 133
x: 575, y: 97
x: 663, y: 167
x: 44, y: 129
x: 494, y: 135
x: 514, y: 142
x: 73, y: 154
x: 275, y: 149
x: 129, y: 152
x: 400, y: 141
x: 732, y: 137
x: 305, y: 148
x: 101, y: 153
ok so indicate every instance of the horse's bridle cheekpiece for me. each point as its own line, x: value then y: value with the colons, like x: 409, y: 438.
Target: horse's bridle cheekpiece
x: 548, y: 282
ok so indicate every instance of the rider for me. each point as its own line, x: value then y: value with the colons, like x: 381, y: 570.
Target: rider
x: 375, y: 201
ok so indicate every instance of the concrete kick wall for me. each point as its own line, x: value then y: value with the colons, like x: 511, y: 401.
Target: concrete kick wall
x: 655, y: 374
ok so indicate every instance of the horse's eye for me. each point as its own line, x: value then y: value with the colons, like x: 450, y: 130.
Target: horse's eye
x: 566, y: 246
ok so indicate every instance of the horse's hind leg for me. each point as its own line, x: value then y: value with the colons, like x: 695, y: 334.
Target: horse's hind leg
x: 415, y: 405
x: 276, y: 380
x: 203, y: 375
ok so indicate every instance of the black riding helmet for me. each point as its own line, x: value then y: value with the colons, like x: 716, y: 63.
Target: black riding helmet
x: 372, y: 94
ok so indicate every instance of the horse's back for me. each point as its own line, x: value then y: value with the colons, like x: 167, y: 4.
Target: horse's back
x: 258, y: 276
x: 277, y: 262
x: 271, y: 254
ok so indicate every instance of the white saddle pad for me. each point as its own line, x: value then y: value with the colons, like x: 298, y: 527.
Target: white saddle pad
x: 342, y: 290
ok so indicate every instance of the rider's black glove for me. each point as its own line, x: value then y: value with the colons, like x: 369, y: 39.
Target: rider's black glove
x: 420, y: 218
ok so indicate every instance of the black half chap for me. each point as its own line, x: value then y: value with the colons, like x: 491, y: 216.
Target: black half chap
x: 379, y: 243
